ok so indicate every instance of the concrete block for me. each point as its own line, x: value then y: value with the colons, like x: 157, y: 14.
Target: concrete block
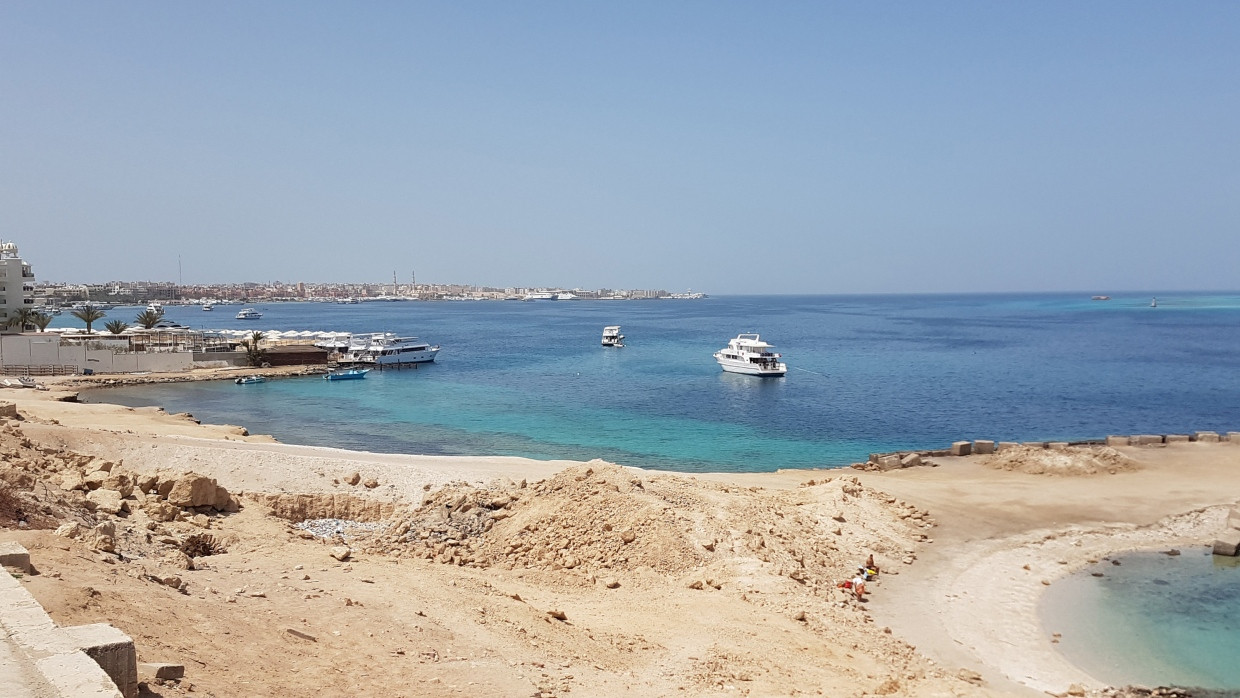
x: 1057, y: 445
x: 890, y: 462
x: 912, y: 460
x: 150, y: 671
x: 1147, y: 439
x: 874, y: 458
x: 1034, y: 444
x: 1233, y: 520
x: 1207, y: 437
x: 1233, y: 437
x: 1228, y: 543
x: 1176, y: 438
x: 962, y: 448
x: 983, y: 447
x: 1005, y: 445
x: 112, y: 650
x: 8, y: 410
x: 14, y: 556
x: 1117, y: 440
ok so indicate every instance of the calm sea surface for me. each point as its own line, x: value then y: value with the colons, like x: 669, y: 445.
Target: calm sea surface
x: 868, y: 373
x: 1154, y: 620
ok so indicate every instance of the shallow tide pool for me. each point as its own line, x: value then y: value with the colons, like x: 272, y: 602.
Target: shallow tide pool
x: 1153, y: 619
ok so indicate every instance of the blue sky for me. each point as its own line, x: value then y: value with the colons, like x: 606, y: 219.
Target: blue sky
x: 786, y: 147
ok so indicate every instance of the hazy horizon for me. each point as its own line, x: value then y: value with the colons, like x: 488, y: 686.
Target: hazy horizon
x: 730, y: 148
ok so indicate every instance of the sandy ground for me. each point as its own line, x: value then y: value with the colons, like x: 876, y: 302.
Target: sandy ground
x: 667, y: 584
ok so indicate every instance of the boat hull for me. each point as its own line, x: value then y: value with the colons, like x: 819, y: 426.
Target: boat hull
x: 424, y: 356
x: 750, y: 369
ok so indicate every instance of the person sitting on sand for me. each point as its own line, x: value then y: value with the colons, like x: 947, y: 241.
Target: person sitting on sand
x: 858, y: 585
x: 870, y: 567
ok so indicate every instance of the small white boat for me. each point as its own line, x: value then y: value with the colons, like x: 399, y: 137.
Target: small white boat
x: 155, y: 307
x: 749, y: 355
x: 248, y: 380
x: 208, y: 306
x: 1154, y: 303
x: 612, y: 336
x: 249, y: 314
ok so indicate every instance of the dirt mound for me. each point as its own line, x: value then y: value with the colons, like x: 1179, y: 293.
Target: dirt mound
x: 602, y: 518
x: 1071, y: 461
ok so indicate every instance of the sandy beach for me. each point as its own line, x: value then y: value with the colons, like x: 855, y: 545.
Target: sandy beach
x: 508, y: 576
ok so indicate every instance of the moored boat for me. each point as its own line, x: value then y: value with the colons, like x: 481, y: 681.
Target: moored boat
x: 385, y: 349
x: 749, y: 355
x: 347, y: 374
x: 249, y: 380
x: 612, y: 336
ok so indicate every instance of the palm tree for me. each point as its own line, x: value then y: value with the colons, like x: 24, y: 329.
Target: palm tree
x: 21, y: 318
x: 41, y: 321
x: 89, y: 315
x: 117, y: 326
x: 253, y: 354
x: 149, y: 318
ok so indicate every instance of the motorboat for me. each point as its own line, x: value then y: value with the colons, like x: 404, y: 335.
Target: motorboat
x: 1100, y: 298
x: 385, y: 348
x: 155, y: 307
x: 612, y: 336
x: 249, y: 314
x: 208, y: 306
x: 1154, y: 303
x: 248, y: 380
x: 347, y: 374
x: 749, y: 355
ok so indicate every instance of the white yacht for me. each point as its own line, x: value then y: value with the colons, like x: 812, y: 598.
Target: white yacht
x: 566, y: 296
x: 208, y: 306
x: 385, y: 348
x: 612, y: 336
x: 749, y: 355
x: 249, y: 314
x: 540, y: 296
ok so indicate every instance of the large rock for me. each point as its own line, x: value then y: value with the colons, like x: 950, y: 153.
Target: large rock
x: 72, y: 481
x: 1233, y: 519
x: 890, y: 462
x: 912, y: 460
x: 107, y: 501
x: 95, y: 480
x: 1228, y: 543
x: 192, y: 490
x: 983, y: 447
x: 145, y: 482
x: 103, y: 537
x: 962, y: 448
x: 159, y: 510
x: 121, y: 482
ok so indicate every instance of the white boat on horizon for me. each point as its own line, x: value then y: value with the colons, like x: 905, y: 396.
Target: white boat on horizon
x: 208, y: 306
x: 612, y: 336
x: 749, y: 355
x: 249, y: 314
x: 387, y: 349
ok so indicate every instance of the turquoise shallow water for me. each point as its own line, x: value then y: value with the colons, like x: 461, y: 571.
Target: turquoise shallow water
x: 868, y: 373
x: 1153, y: 620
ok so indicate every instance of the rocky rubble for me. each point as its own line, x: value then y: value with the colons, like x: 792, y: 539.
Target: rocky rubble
x: 600, y: 519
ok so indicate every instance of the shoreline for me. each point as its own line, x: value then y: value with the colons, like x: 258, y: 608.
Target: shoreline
x: 968, y: 602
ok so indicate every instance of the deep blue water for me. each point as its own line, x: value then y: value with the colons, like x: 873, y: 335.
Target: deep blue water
x: 1153, y: 620
x: 868, y: 373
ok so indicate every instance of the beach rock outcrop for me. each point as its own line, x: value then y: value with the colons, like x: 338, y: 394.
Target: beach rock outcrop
x: 192, y: 490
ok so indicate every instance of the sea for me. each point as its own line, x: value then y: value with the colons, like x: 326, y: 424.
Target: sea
x: 1154, y: 620
x: 866, y: 374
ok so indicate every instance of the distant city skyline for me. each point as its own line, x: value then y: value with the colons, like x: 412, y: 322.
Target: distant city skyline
x: 731, y: 148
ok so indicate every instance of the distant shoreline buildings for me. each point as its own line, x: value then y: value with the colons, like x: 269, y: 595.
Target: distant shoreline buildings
x: 54, y: 295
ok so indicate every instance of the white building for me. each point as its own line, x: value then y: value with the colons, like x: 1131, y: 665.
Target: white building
x: 16, y: 285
